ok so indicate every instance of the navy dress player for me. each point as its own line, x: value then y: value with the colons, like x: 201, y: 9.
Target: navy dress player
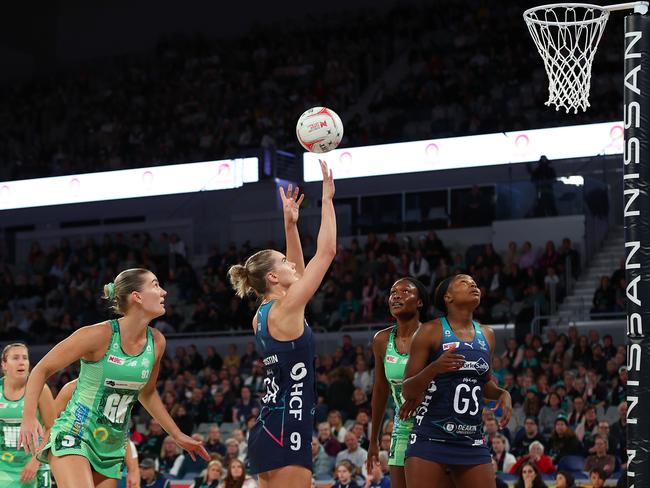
x: 448, y: 427
x: 282, y: 433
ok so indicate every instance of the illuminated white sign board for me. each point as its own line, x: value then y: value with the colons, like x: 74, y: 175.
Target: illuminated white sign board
x: 128, y: 183
x: 470, y: 151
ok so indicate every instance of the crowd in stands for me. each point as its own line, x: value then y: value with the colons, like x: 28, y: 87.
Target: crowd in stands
x: 568, y: 390
x: 471, y: 69
x: 609, y: 297
x: 55, y: 290
x: 568, y: 393
x: 454, y: 86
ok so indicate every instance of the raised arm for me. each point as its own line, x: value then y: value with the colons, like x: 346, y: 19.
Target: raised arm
x: 88, y: 342
x: 291, y: 209
x: 380, y: 391
x: 151, y: 401
x: 302, y: 291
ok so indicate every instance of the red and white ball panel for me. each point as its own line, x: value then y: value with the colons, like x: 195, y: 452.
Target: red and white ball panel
x: 319, y: 130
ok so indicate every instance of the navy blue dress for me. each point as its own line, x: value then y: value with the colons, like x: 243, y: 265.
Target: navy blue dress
x: 282, y: 434
x: 448, y: 427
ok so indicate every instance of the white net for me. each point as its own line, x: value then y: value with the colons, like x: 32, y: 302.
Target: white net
x: 566, y: 36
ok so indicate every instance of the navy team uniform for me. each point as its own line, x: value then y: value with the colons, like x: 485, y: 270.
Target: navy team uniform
x: 282, y: 433
x: 448, y: 426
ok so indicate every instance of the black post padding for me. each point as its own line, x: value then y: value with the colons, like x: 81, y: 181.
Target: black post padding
x: 637, y: 244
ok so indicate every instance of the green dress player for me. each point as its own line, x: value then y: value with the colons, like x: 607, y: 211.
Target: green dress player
x: 95, y: 421
x: 120, y: 360
x: 15, y: 463
x: 408, y: 302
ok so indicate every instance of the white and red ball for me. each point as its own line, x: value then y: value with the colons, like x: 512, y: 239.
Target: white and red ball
x: 319, y: 130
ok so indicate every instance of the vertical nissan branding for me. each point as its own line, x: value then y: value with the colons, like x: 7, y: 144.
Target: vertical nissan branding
x: 636, y: 231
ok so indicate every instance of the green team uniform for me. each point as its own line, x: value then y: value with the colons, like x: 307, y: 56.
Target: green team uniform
x: 12, y: 459
x: 94, y: 423
x: 394, y: 366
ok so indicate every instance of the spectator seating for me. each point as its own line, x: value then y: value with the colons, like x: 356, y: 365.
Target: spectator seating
x: 573, y: 464
x: 56, y: 290
x: 203, y: 99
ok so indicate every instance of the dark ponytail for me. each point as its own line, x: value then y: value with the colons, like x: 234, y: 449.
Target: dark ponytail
x: 439, y: 295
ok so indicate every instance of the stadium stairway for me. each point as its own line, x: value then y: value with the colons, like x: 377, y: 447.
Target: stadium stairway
x: 577, y: 305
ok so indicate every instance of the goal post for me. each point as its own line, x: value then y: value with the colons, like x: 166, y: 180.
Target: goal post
x: 636, y: 175
x: 566, y: 36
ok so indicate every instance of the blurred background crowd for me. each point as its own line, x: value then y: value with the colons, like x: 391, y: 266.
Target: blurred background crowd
x: 198, y: 99
x: 54, y: 290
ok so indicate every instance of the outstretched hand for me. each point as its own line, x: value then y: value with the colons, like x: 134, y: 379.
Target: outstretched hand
x: 449, y: 361
x: 373, y: 456
x: 133, y: 479
x: 192, y: 446
x: 31, y: 432
x: 29, y: 471
x: 505, y: 403
x: 291, y: 201
x: 328, y: 180
x: 409, y: 407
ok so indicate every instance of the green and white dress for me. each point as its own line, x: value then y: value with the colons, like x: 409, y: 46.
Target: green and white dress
x: 12, y: 459
x: 394, y: 366
x: 95, y: 422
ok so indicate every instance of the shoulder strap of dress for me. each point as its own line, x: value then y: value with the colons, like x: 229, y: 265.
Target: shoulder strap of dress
x: 445, y: 325
x: 150, y: 336
x: 477, y: 328
x: 115, y: 326
x: 263, y: 316
x: 390, y: 346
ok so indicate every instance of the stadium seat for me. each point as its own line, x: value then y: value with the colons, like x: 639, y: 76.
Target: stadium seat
x: 574, y: 464
x: 180, y: 484
x: 323, y: 478
x: 508, y: 478
x: 227, y: 428
x: 611, y: 415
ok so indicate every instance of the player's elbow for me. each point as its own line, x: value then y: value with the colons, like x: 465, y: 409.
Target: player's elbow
x: 145, y: 395
x: 42, y: 370
x: 328, y: 251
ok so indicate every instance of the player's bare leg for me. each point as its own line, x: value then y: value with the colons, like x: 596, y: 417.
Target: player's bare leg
x: 102, y: 481
x: 475, y: 475
x: 294, y: 476
x: 421, y: 473
x: 71, y: 471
